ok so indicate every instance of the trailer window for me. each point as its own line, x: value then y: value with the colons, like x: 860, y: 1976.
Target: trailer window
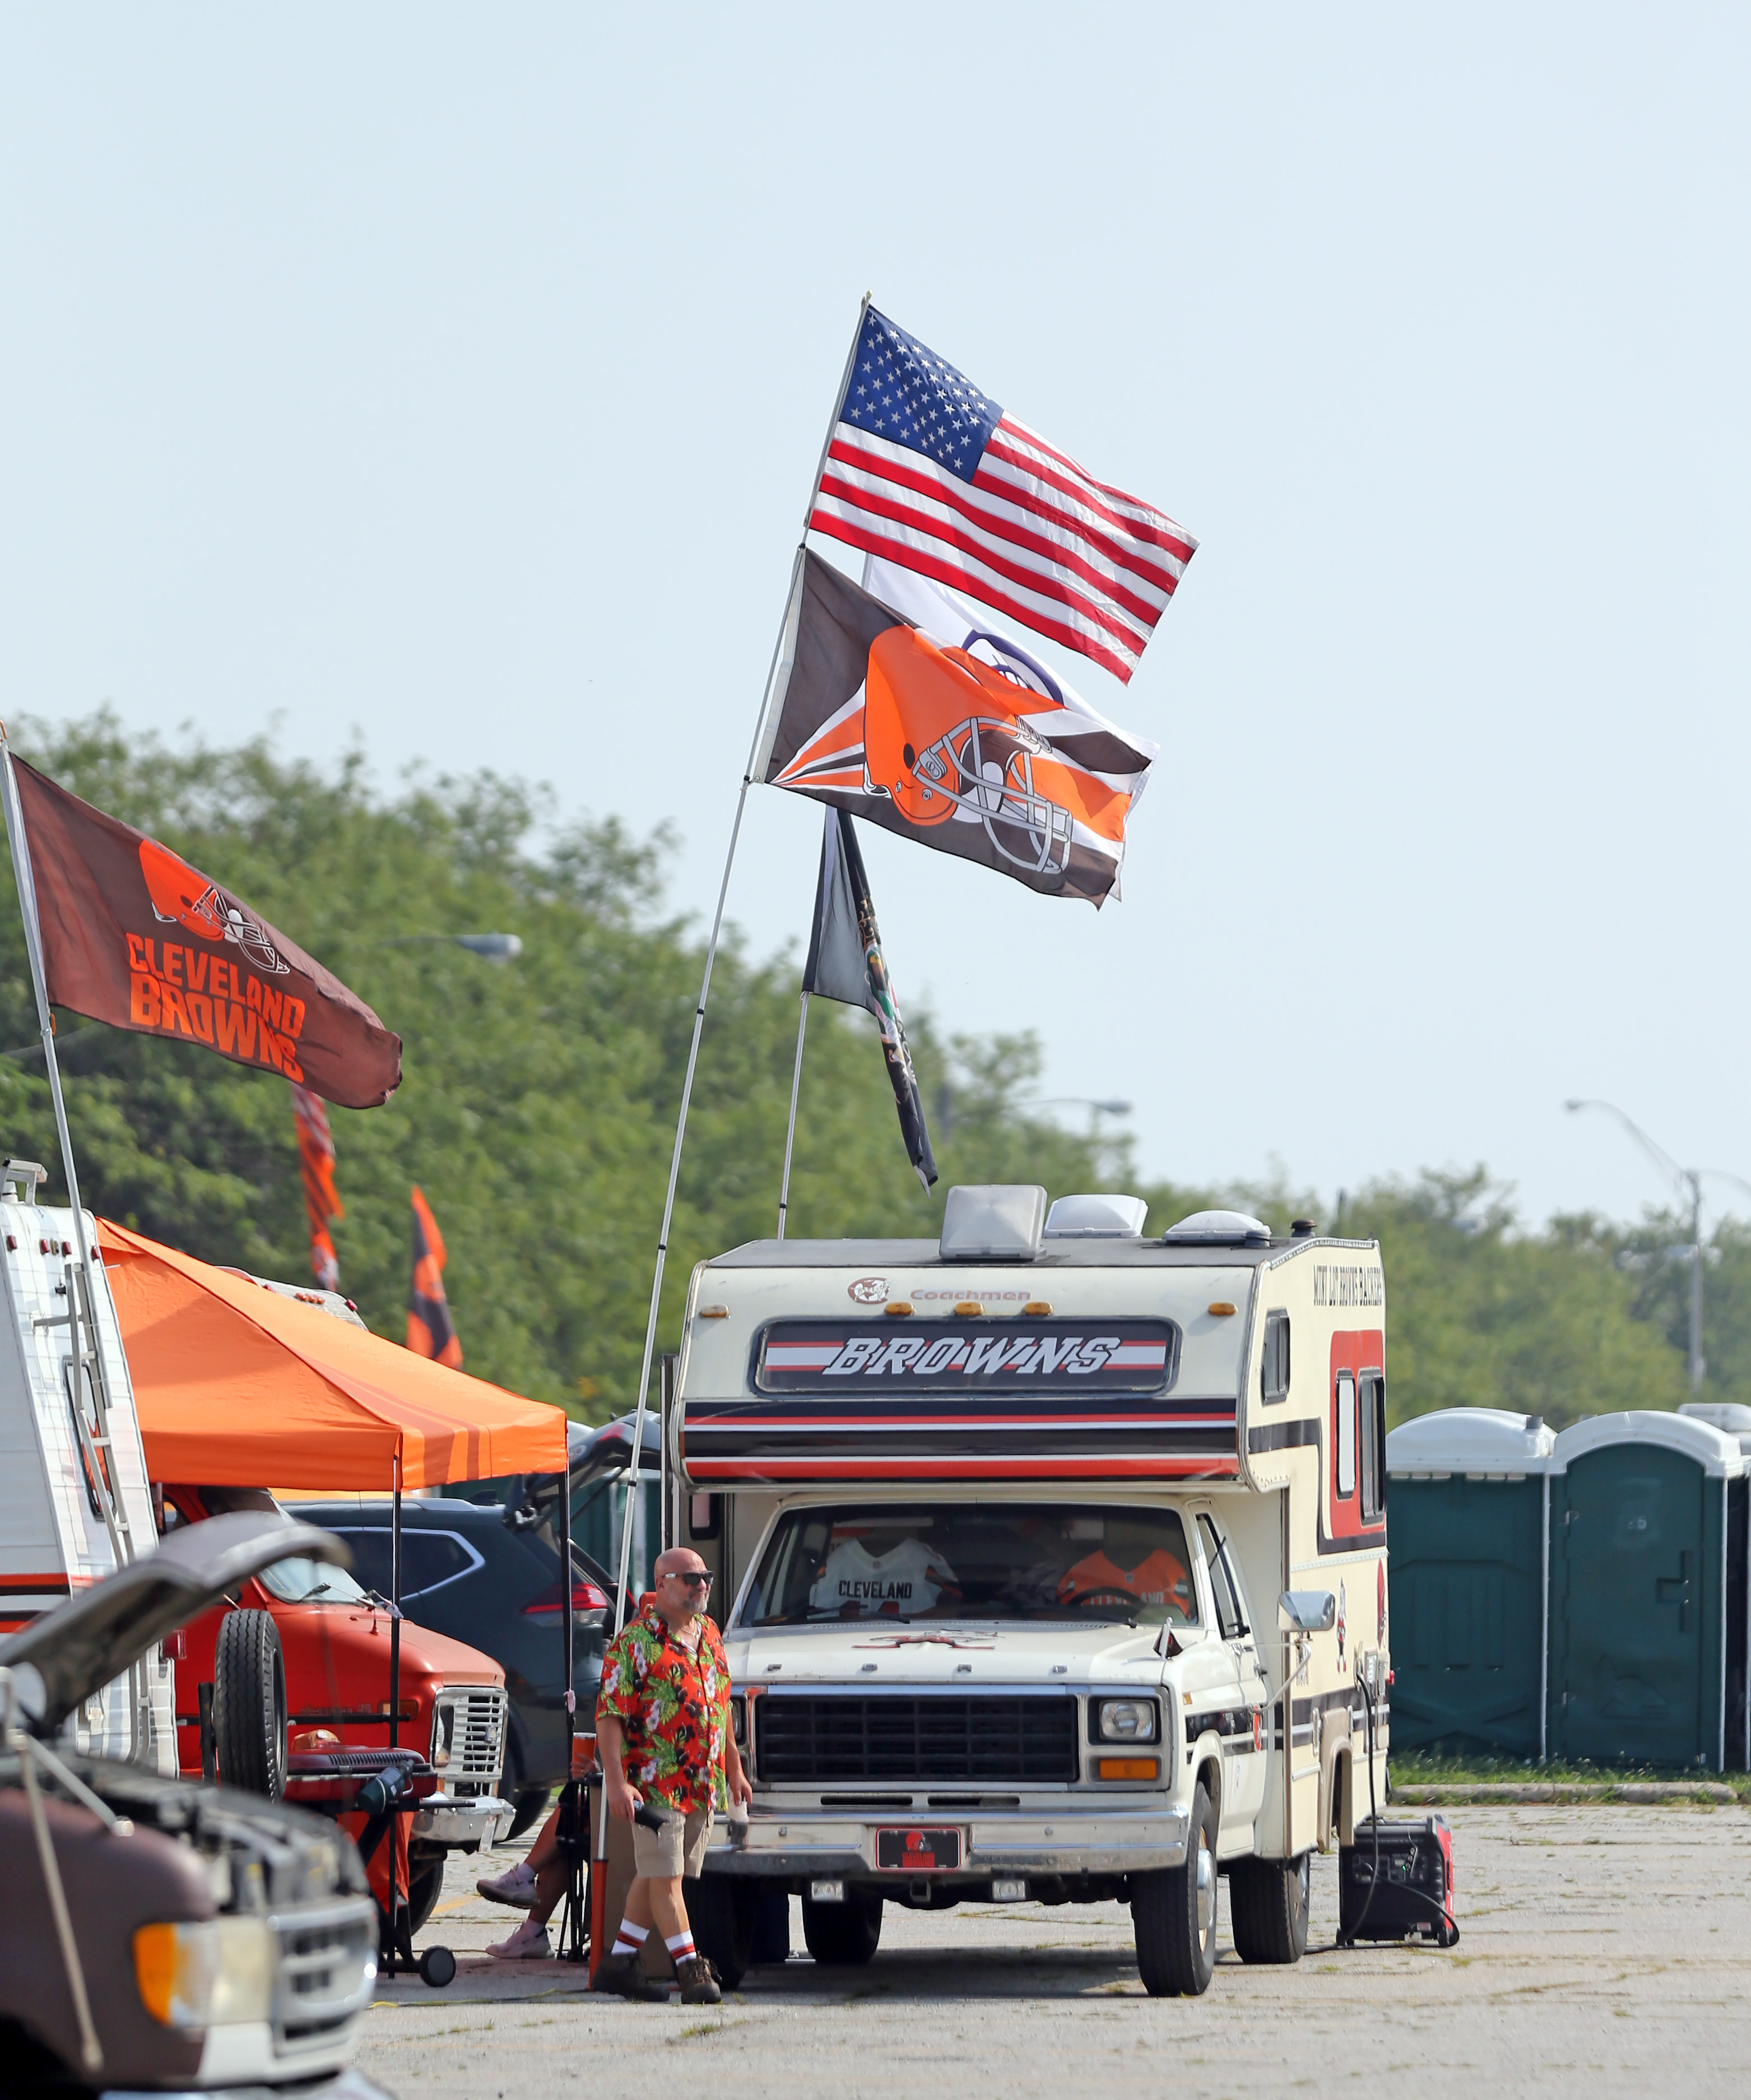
x: 1229, y: 1617
x: 1274, y: 1378
x: 1345, y: 1438
x: 982, y: 1561
x: 1374, y: 1446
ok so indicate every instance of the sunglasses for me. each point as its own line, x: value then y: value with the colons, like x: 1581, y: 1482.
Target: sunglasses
x: 692, y: 1581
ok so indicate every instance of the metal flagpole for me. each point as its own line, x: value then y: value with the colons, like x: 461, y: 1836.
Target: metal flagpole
x: 698, y: 1023
x: 790, y: 1128
x: 699, y: 1012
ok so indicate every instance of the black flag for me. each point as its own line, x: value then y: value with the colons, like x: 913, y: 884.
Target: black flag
x: 845, y: 963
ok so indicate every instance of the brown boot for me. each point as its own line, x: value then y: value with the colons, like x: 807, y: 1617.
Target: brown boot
x: 698, y: 1985
x: 620, y: 1975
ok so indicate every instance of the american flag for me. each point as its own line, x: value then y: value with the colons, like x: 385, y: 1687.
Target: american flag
x: 925, y: 470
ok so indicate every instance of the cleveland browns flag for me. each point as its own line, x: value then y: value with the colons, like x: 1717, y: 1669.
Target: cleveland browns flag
x: 322, y: 1200
x: 132, y: 935
x: 921, y: 717
x: 845, y: 963
x: 429, y: 1332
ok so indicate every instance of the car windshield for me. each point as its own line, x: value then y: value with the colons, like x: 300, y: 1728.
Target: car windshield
x: 990, y: 1561
x: 299, y: 1581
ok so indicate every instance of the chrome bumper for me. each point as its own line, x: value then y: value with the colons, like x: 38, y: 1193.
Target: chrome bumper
x: 1107, y: 1841
x: 469, y: 1819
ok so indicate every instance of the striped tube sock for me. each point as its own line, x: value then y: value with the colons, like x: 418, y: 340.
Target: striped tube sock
x: 632, y: 1937
x: 682, y: 1948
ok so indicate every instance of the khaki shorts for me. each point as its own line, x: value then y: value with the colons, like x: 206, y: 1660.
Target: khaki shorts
x: 677, y: 1849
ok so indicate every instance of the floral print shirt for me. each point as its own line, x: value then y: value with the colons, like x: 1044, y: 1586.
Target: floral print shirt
x: 674, y: 1706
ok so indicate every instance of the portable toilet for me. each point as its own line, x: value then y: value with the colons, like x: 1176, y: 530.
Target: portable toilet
x: 1642, y: 1577
x: 1736, y: 1421
x: 1468, y: 1519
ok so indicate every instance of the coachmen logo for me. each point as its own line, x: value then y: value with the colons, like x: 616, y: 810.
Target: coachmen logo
x: 868, y: 1290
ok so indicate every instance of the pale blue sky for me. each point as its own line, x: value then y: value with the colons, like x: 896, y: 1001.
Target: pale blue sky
x: 454, y: 377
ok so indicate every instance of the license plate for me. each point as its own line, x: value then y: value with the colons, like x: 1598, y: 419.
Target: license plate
x: 917, y: 1851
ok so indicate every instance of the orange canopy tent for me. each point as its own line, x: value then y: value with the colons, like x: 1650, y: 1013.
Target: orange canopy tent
x: 235, y: 1386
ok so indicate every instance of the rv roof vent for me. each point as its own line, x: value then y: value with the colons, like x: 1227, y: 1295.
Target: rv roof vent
x: 1217, y: 1228
x: 994, y: 1221
x: 1096, y: 1218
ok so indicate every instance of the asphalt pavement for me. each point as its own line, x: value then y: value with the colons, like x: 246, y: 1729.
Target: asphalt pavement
x: 1606, y: 1949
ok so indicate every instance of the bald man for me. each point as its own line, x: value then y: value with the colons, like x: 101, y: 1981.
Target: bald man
x: 664, y: 1737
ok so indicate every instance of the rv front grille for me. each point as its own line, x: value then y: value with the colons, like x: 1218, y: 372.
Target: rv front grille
x: 805, y: 1739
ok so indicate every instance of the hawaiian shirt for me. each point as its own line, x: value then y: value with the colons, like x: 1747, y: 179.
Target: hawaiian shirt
x: 674, y: 1707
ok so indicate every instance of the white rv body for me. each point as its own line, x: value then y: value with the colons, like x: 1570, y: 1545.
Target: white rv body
x: 1287, y: 1487
x: 65, y: 1522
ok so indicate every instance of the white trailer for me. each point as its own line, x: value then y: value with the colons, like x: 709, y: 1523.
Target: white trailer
x: 75, y: 1504
x: 1051, y: 1565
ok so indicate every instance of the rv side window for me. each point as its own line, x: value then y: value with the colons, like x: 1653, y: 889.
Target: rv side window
x: 1345, y: 1439
x: 1274, y: 1379
x: 1374, y: 1446
x: 1229, y: 1617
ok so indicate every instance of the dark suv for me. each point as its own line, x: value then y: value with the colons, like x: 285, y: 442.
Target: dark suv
x: 472, y: 1572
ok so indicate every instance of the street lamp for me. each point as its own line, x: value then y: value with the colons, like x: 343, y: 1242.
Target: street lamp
x: 496, y: 947
x: 1687, y: 1181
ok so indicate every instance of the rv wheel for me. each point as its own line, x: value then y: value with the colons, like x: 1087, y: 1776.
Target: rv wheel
x: 250, y: 1704
x: 723, y: 1926
x: 1173, y: 1914
x: 1268, y: 1907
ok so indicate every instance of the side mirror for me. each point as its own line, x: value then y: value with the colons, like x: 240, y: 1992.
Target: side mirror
x: 1307, y: 1611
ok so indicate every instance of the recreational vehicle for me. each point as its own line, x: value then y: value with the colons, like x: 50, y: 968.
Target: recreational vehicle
x: 1050, y: 1563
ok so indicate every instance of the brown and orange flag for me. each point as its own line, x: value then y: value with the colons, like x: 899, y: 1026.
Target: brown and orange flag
x: 429, y: 1331
x: 132, y: 935
x: 322, y: 1199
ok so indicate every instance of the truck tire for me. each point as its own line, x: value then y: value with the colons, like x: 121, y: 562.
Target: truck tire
x: 843, y: 1935
x: 1268, y: 1907
x: 250, y: 1704
x: 722, y: 1923
x: 425, y: 1886
x: 1173, y: 1914
x: 531, y: 1805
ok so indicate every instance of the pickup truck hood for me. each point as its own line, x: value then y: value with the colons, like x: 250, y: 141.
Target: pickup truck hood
x: 871, y: 1655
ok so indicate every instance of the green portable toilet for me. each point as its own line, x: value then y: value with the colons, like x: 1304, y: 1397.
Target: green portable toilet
x: 1736, y: 1421
x: 1640, y: 1581
x: 1467, y: 1518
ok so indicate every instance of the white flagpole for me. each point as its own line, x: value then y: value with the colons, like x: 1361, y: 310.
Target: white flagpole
x: 637, y: 1456
x: 790, y: 1128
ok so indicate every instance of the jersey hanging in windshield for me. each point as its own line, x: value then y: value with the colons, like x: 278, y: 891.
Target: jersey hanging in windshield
x: 947, y: 734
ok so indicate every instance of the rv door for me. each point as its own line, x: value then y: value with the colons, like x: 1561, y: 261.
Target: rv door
x: 1245, y: 1742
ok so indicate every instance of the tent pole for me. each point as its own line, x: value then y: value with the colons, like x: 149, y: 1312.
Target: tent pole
x: 394, y: 1620
x: 565, y: 1580
x: 790, y: 1128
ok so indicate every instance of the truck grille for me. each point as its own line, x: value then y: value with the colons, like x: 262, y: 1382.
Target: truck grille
x: 477, y: 1748
x: 801, y: 1740
x: 328, y: 1966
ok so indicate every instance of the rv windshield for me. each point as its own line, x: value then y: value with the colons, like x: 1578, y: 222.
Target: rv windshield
x: 984, y: 1561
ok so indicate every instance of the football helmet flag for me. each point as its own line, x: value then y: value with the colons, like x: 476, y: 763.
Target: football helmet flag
x: 966, y: 744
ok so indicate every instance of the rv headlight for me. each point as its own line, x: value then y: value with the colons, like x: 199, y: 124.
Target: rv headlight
x: 738, y: 1720
x: 1125, y: 1721
x: 443, y: 1733
x: 212, y: 1972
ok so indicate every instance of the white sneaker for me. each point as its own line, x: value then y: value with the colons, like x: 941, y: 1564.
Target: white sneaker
x: 528, y: 1942
x: 515, y: 1886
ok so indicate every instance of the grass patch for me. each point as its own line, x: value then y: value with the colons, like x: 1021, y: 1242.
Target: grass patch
x: 1435, y: 1768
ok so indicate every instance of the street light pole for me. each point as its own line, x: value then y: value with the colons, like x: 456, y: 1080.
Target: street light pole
x: 1687, y: 1181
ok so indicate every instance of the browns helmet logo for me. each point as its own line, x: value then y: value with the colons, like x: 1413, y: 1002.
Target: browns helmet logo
x: 941, y: 740
x: 182, y: 896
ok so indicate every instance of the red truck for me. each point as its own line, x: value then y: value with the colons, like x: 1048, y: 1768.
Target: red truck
x: 302, y: 1657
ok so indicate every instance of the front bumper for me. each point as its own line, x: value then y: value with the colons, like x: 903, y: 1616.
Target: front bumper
x: 348, y: 2084
x: 1108, y: 1840
x: 472, y: 1820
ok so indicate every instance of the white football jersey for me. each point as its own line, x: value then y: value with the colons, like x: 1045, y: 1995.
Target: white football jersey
x: 909, y: 1577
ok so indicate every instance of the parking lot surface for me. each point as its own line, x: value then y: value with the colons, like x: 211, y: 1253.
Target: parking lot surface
x: 1605, y: 1950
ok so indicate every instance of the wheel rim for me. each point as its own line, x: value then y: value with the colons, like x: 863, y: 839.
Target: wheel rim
x: 1304, y: 1880
x: 1206, y: 1893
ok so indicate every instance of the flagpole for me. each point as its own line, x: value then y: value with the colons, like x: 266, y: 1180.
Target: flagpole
x: 790, y: 1128
x: 639, y: 1412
